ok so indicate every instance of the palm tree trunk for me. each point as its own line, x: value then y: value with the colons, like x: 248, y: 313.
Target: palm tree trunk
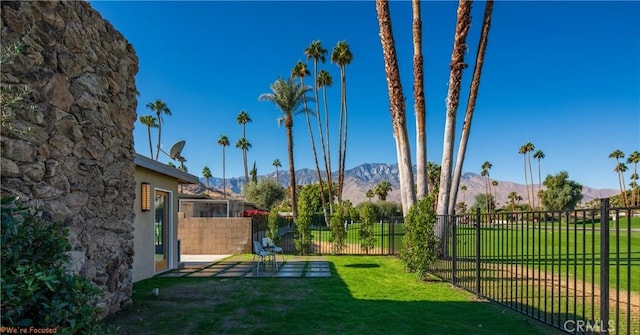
x: 533, y: 191
x: 246, y: 170
x: 224, y: 178
x: 397, y: 104
x: 539, y: 184
x: 346, y: 128
x: 526, y: 180
x: 292, y: 170
x: 471, y: 105
x: 315, y: 160
x: 159, y: 136
x: 150, y: 146
x: 328, y: 154
x: 453, y: 98
x: 322, y: 145
x: 340, y: 129
x: 419, y: 103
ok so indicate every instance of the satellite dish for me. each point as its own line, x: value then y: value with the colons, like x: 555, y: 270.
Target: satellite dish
x: 176, y: 150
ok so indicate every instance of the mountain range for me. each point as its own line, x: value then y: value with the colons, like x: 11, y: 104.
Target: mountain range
x: 366, y: 176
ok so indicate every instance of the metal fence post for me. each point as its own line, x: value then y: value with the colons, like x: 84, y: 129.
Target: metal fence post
x: 478, y: 289
x: 604, y: 264
x: 454, y: 253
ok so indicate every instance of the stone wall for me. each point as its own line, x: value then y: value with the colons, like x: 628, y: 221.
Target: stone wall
x: 68, y: 145
x: 214, y: 236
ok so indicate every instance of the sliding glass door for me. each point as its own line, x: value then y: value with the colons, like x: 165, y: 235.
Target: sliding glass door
x: 161, y: 229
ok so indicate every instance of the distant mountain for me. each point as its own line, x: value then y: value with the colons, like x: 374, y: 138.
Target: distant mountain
x: 366, y: 176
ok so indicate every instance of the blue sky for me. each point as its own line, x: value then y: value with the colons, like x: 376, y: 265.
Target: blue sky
x: 562, y: 75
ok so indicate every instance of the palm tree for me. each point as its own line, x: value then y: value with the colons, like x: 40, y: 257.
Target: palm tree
x: 289, y: 97
x: 634, y: 158
x: 324, y: 80
x: 621, y: 168
x: 513, y: 198
x: 254, y: 173
x: 206, y: 173
x: 244, y: 145
x: 419, y: 103
x: 300, y: 71
x: 243, y: 118
x: 617, y: 154
x: 524, y: 150
x: 316, y: 52
x: 397, y: 104
x: 370, y: 194
x: 463, y: 188
x: 471, y: 102
x: 342, y: 57
x: 382, y: 190
x: 277, y: 164
x: 224, y: 142
x: 495, y: 183
x: 457, y: 64
x: 160, y: 108
x: 539, y: 155
x: 486, y: 166
x: 150, y: 122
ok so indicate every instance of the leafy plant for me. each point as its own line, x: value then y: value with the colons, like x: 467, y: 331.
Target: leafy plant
x: 272, y: 226
x: 338, y: 230
x: 368, y: 217
x: 36, y: 289
x: 420, y: 243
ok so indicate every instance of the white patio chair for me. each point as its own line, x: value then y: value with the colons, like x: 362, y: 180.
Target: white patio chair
x: 269, y: 245
x: 262, y: 254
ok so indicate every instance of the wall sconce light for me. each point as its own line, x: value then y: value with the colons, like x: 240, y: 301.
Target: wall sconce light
x: 145, y: 197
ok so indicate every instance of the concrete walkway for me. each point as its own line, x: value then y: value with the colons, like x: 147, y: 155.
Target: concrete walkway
x: 243, y: 266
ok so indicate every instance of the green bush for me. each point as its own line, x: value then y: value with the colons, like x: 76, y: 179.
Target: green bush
x: 36, y: 289
x: 420, y: 243
x: 302, y: 236
x: 368, y: 217
x: 273, y: 222
x: 338, y: 231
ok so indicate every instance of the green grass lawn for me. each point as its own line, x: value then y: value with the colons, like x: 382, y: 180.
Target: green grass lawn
x: 365, y: 295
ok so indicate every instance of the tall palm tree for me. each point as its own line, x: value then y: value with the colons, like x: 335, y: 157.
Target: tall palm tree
x: 243, y: 118
x: 289, y: 97
x: 530, y: 148
x: 471, y: 102
x: 224, y: 142
x: 370, y: 194
x: 634, y: 158
x: 254, y: 173
x: 300, y: 71
x: 621, y: 168
x: 325, y: 80
x: 524, y: 150
x: 463, y: 22
x: 206, y: 173
x: 318, y: 53
x: 495, y: 184
x: 486, y: 166
x: 160, y: 107
x: 513, y: 198
x: 342, y: 57
x: 463, y: 188
x: 244, y: 145
x: 276, y: 163
x: 419, y: 103
x: 150, y: 122
x: 617, y: 155
x: 539, y: 155
x: 397, y: 104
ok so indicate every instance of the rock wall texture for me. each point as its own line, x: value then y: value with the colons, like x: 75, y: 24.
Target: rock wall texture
x: 68, y: 145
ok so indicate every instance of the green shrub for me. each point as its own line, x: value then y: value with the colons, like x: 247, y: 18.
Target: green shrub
x: 302, y: 236
x: 338, y: 231
x: 368, y: 218
x: 36, y: 289
x: 273, y: 222
x: 420, y: 243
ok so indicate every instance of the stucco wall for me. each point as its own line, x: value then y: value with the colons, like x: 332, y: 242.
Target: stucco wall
x: 143, y: 260
x: 68, y: 144
x: 214, y: 236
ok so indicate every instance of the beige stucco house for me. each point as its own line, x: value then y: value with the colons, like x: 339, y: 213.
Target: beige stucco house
x: 156, y: 223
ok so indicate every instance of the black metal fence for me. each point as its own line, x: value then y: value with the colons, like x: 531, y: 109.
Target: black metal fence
x: 571, y: 270
x: 387, y: 235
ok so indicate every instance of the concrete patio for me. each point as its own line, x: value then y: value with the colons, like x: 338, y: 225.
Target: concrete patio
x: 243, y: 266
